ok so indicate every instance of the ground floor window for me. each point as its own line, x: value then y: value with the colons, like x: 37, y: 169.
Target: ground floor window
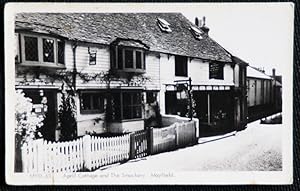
x: 91, y: 102
x: 126, y: 105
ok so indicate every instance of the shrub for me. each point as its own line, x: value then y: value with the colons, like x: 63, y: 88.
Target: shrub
x: 28, y: 122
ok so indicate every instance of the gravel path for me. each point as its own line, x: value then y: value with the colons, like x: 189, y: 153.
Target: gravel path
x: 258, y: 148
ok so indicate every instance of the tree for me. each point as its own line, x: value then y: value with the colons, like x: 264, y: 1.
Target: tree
x: 66, y: 117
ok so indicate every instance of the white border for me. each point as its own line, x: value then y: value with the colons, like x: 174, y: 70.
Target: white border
x: 282, y: 177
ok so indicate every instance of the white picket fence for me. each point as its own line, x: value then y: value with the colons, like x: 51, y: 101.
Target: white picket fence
x: 186, y: 133
x: 105, y: 151
x: 177, y: 135
x: 40, y: 156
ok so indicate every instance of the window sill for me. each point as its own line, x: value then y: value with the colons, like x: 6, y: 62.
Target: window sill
x: 176, y: 75
x: 91, y: 112
x: 44, y: 65
x: 131, y: 70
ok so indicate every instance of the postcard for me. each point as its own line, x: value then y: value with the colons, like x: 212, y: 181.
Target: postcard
x: 148, y: 93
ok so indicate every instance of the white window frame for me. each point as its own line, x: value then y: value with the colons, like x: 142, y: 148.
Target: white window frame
x: 40, y: 61
x: 134, y: 68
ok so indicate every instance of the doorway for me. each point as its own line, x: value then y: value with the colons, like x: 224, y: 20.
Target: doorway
x: 45, y: 103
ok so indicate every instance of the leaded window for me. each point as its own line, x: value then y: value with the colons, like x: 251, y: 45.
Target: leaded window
x: 48, y: 50
x: 31, y: 48
x: 42, y: 50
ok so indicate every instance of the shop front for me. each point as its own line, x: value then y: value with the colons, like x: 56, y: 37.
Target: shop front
x: 212, y: 105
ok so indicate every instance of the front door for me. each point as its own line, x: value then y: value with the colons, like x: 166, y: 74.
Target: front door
x: 44, y: 103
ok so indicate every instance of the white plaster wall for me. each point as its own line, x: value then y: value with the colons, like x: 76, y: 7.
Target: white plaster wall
x: 89, y: 122
x: 197, y: 70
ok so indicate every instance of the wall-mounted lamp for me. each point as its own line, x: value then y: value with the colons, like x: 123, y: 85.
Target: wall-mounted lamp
x: 93, y: 55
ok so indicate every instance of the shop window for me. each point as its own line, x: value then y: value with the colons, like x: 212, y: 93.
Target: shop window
x: 176, y: 103
x: 180, y: 66
x: 126, y: 105
x: 216, y: 70
x: 42, y: 50
x: 128, y: 59
x: 91, y: 103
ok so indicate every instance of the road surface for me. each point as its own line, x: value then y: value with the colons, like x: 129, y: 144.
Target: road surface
x: 258, y: 148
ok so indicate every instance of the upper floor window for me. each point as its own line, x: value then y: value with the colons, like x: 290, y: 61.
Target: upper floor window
x: 42, y: 50
x: 128, y: 59
x: 216, y: 70
x: 181, y: 66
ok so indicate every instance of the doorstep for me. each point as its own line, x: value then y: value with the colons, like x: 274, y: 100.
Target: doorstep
x: 215, y: 138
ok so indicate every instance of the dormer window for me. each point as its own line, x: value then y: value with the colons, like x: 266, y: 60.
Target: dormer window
x: 197, y: 33
x: 42, y: 51
x: 164, y: 25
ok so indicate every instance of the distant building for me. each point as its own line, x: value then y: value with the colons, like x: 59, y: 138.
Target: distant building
x: 264, y: 94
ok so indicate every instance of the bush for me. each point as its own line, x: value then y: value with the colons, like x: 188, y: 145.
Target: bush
x: 27, y: 127
x: 28, y: 122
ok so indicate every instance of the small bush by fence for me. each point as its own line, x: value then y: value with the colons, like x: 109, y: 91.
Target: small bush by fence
x: 90, y: 153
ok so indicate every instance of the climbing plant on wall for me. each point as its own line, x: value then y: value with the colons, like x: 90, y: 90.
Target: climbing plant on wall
x: 66, y: 116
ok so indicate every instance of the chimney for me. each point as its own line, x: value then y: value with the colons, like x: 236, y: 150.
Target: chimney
x: 197, y: 21
x: 203, y: 27
x: 273, y: 72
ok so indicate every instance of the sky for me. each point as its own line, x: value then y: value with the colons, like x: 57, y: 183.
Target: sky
x: 259, y: 34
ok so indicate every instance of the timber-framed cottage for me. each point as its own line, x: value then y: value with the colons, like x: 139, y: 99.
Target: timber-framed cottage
x: 141, y: 59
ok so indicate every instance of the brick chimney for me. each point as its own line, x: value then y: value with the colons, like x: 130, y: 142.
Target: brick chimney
x: 203, y: 27
x: 273, y: 72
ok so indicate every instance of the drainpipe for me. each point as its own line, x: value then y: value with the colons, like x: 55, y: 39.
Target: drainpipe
x: 74, y: 46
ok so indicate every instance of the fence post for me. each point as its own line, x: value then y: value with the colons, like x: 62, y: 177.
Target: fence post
x: 195, y: 137
x: 132, y: 146
x: 24, y: 159
x: 87, y: 143
x: 151, y: 141
x: 177, y: 129
x: 40, y: 153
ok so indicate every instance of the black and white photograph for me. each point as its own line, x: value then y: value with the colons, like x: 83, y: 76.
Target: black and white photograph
x: 148, y: 93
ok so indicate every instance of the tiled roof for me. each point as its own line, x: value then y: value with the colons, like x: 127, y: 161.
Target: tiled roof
x: 239, y: 61
x: 104, y: 28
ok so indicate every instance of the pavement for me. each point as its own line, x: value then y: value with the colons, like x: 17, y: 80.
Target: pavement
x: 257, y: 148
